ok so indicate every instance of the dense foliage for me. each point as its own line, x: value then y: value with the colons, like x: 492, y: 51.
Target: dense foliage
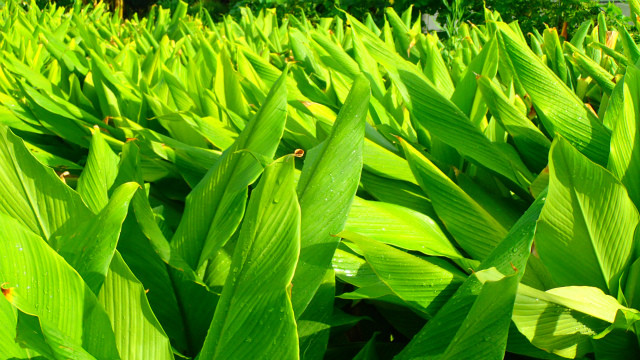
x: 532, y: 14
x: 178, y: 187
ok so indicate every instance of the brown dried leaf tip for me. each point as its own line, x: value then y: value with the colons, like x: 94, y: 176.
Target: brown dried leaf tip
x: 6, y: 292
x: 298, y: 153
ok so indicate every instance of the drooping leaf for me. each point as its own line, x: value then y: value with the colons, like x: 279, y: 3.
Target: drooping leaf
x: 445, y: 333
x: 399, y: 226
x: 425, y: 283
x: 563, y: 320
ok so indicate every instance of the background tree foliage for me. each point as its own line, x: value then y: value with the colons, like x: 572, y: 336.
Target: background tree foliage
x: 531, y: 14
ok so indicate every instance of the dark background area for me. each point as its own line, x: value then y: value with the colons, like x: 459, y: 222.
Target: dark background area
x: 530, y: 13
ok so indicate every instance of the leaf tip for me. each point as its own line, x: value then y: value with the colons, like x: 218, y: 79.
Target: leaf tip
x: 7, y: 292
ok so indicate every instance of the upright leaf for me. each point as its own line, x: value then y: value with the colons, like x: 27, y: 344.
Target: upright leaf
x: 138, y: 333
x: 326, y: 188
x: 623, y: 115
x: 215, y: 206
x: 254, y: 318
x: 559, y: 108
x: 32, y: 193
x: 588, y: 218
x: 99, y: 173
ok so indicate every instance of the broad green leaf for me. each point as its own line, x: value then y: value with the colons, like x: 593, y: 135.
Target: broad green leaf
x: 424, y: 283
x: 37, y: 281
x: 597, y: 73
x: 554, y: 53
x: 486, y: 65
x: 353, y: 269
x: 32, y: 334
x: 326, y: 189
x: 579, y: 36
x: 435, y: 68
x: 531, y: 142
x: 170, y: 294
x: 632, y: 286
x: 399, y: 226
x: 559, y: 109
x: 631, y: 49
x: 227, y: 86
x: 255, y: 318
x: 32, y: 193
x: 474, y: 229
x: 397, y: 192
x: 445, y: 332
x: 368, y: 352
x: 589, y: 218
x: 334, y: 56
x: 622, y: 114
x: 563, y: 320
x: 8, y: 317
x: 138, y: 333
x: 99, y: 173
x: 440, y: 116
x: 382, y: 162
x: 215, y: 206
x: 484, y: 331
x: 90, y: 247
x: 314, y: 325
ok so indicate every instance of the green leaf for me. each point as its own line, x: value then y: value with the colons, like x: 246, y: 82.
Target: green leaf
x: 397, y: 192
x: 314, y: 325
x: 254, y: 318
x: 563, y: 320
x: 559, y: 108
x: 138, y: 333
x: 33, y: 334
x: 32, y: 193
x: 215, y: 206
x: 40, y: 283
x: 622, y: 114
x: 529, y: 140
x: 99, y: 173
x: 90, y: 247
x: 171, y: 294
x: 588, y: 218
x: 440, y: 116
x: 445, y: 333
x: 8, y: 317
x: 484, y: 331
x: 399, y: 226
x: 473, y: 227
x: 326, y: 189
x: 424, y: 283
